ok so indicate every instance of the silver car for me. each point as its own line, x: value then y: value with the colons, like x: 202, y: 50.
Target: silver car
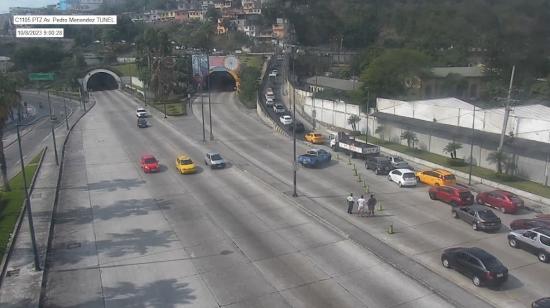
x: 214, y: 160
x: 536, y: 241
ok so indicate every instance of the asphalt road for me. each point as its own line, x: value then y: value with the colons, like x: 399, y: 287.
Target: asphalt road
x: 424, y: 227
x: 229, y: 237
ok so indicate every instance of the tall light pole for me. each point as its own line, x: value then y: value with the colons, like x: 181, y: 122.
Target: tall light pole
x: 53, y: 130
x: 209, y: 104
x: 472, y: 147
x: 294, y: 165
x: 28, y: 202
x: 66, y: 116
x: 507, y: 109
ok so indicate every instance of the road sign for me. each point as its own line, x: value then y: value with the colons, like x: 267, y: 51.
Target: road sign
x: 41, y: 76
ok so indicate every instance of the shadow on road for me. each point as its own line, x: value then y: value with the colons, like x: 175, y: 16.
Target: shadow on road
x: 114, y: 184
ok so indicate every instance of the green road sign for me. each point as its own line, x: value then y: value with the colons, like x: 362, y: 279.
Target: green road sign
x: 41, y: 76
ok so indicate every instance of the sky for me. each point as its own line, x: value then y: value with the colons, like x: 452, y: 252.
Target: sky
x: 6, y: 4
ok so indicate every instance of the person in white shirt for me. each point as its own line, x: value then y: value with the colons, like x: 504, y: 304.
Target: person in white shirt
x: 350, y: 201
x: 360, y: 205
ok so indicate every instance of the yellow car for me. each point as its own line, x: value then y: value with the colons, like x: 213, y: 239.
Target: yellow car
x: 185, y: 165
x: 315, y: 138
x: 436, y: 177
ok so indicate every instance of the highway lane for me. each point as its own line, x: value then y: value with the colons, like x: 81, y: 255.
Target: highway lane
x: 216, y: 238
x: 424, y: 227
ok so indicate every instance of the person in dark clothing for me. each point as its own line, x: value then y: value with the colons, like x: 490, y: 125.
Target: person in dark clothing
x: 350, y: 201
x: 371, y: 203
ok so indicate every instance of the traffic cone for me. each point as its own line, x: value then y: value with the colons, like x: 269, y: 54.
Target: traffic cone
x: 380, y: 208
x: 349, y: 160
x: 359, y: 178
x: 366, y: 189
x: 355, y: 172
x: 390, y: 229
x: 337, y: 156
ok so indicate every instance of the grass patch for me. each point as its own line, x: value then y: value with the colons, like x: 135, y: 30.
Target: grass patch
x: 127, y: 69
x: 11, y: 202
x: 172, y: 108
x: 252, y: 61
x: 522, y: 184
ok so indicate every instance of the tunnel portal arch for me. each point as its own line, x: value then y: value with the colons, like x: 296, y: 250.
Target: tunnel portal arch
x: 99, y: 71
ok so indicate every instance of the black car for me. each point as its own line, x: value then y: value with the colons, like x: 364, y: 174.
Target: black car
x: 479, y: 265
x: 142, y: 122
x: 479, y: 217
x: 379, y: 164
x: 299, y: 127
x: 541, y: 303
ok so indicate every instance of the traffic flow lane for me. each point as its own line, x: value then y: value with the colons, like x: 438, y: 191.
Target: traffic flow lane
x: 236, y: 218
x: 462, y: 232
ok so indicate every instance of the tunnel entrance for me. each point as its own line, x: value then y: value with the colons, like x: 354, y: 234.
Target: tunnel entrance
x: 222, y: 81
x: 101, y: 80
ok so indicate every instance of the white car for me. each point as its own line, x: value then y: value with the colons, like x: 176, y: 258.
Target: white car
x: 273, y: 73
x: 269, y: 92
x: 269, y: 100
x: 286, y: 119
x: 141, y: 113
x: 403, y: 177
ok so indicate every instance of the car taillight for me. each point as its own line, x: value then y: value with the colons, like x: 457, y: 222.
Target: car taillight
x: 489, y: 275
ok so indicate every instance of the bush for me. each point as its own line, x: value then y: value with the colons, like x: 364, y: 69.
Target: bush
x: 456, y: 162
x: 507, y: 177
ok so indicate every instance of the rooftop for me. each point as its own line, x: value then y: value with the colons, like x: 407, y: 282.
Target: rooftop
x: 333, y: 83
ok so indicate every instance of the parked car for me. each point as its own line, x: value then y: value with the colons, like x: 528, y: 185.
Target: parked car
x: 315, y: 138
x: 479, y: 217
x: 285, y: 119
x: 477, y: 264
x: 149, y: 163
x: 142, y: 122
x: 436, y: 177
x: 273, y: 73
x: 536, y: 241
x: 278, y: 108
x: 314, y: 158
x: 454, y: 195
x: 185, y: 165
x: 379, y: 164
x: 502, y: 200
x: 270, y: 100
x: 141, y: 113
x: 403, y: 177
x: 541, y: 303
x: 398, y: 163
x: 214, y: 160
x: 529, y: 223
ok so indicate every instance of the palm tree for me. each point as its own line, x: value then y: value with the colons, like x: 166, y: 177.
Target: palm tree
x: 9, y: 98
x: 353, y: 120
x: 380, y: 130
x: 451, y: 148
x: 497, y: 158
x: 410, y: 137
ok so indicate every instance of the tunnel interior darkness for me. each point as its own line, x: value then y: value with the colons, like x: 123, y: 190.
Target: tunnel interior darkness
x: 102, y: 81
x: 222, y: 81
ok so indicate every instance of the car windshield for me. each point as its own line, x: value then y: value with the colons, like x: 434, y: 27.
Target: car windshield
x: 486, y: 215
x: 150, y: 160
x: 449, y: 177
x: 408, y: 175
x: 186, y: 162
x: 465, y: 195
x: 216, y: 157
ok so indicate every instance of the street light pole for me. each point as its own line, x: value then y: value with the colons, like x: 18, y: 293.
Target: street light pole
x: 472, y: 147
x: 202, y: 114
x: 28, y: 204
x: 66, y: 117
x: 507, y: 109
x: 53, y: 130
x: 209, y: 104
x: 294, y: 193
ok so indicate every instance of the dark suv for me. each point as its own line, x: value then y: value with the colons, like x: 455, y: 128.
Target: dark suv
x: 379, y: 164
x: 476, y: 263
x: 454, y: 195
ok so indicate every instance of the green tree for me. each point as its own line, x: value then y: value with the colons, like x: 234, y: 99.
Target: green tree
x: 410, y: 137
x: 498, y: 158
x: 380, y: 131
x: 451, y: 149
x: 9, y: 98
x: 386, y: 75
x: 353, y: 120
x: 249, y: 84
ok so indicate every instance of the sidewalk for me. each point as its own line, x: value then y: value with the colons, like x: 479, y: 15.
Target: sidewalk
x: 21, y: 284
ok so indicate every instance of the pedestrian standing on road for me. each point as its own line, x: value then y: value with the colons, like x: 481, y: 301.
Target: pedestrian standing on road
x: 371, y: 203
x: 350, y: 201
x: 361, y: 206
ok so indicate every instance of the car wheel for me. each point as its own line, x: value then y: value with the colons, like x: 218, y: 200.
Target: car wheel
x: 476, y: 281
x: 513, y: 242
x: 475, y: 226
x: 543, y: 257
x: 446, y: 263
x: 376, y: 172
x: 389, y: 178
x: 480, y: 201
x: 400, y: 184
x: 455, y: 214
x: 432, y: 196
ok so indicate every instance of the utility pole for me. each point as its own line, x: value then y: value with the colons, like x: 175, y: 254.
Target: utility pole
x: 472, y: 147
x: 367, y: 134
x: 209, y: 104
x: 507, y: 109
x: 294, y: 167
x: 202, y: 112
x: 66, y: 117
x: 53, y: 130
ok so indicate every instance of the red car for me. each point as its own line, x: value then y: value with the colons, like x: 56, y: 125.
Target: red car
x: 529, y: 223
x: 149, y: 163
x: 502, y: 200
x: 454, y: 195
